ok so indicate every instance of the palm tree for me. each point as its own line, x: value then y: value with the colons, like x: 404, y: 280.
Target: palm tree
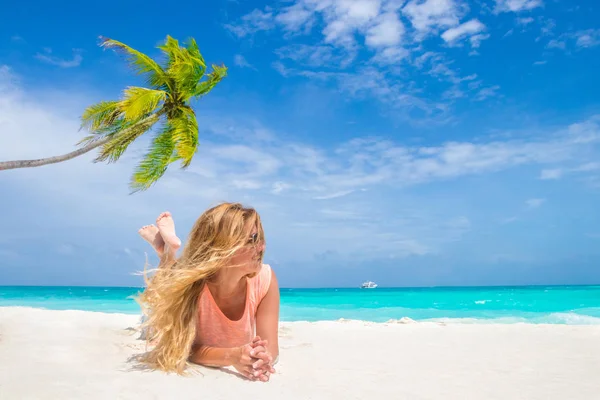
x: 114, y: 125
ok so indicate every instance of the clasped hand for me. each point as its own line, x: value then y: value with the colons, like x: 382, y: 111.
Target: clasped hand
x: 254, y: 360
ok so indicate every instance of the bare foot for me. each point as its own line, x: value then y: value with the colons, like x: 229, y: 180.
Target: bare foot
x: 151, y: 235
x: 166, y: 227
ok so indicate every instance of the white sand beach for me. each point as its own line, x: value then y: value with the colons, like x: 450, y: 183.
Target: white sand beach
x: 75, y: 355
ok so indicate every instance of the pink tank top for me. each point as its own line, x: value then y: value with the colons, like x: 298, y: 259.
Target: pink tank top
x: 216, y: 330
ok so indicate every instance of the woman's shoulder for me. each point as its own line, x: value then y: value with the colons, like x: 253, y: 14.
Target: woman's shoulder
x: 265, y: 270
x: 262, y: 280
x: 264, y: 275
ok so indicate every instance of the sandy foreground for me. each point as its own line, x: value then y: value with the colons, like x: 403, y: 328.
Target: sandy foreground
x: 84, y: 355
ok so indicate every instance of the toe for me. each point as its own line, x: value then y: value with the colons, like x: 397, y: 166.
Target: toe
x: 164, y: 214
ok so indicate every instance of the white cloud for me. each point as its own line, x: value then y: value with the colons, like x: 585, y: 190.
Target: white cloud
x: 586, y: 131
x: 556, y: 44
x: 387, y: 31
x: 517, y: 5
x: 468, y: 28
x: 371, y: 82
x: 525, y: 21
x: 378, y: 21
x: 48, y: 58
x: 334, y: 195
x: 547, y: 28
x: 344, y: 18
x: 317, y: 55
x: 296, y: 17
x: 429, y: 16
x: 551, y: 174
x: 587, y: 38
x: 587, y: 170
x: 253, y: 22
x: 592, y: 166
x: 349, y: 27
x: 391, y: 55
x: 241, y: 61
x: 487, y: 92
x: 535, y: 203
x: 371, y: 161
x: 7, y: 79
x: 582, y: 39
x: 279, y: 187
x: 477, y: 39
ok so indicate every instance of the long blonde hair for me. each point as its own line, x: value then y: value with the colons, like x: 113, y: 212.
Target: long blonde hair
x: 170, y: 298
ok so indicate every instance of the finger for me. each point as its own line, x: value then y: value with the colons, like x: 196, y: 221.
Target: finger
x: 256, y: 339
x: 262, y: 343
x: 248, y: 373
x: 267, y: 369
x: 258, y: 374
x: 257, y: 350
x: 264, y: 377
x: 247, y: 360
x: 264, y: 355
x: 259, y: 364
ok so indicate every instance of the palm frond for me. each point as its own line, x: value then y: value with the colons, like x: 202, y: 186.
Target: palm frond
x: 100, y: 115
x: 87, y: 140
x: 194, y: 51
x: 99, y: 134
x: 185, y: 66
x: 155, y: 162
x: 123, y: 137
x: 171, y: 49
x: 185, y: 136
x: 217, y: 74
x: 139, y: 102
x: 142, y: 64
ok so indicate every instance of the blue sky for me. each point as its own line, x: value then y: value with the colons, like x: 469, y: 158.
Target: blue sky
x: 438, y: 142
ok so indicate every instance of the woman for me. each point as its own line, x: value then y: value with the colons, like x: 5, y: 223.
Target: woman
x: 216, y: 305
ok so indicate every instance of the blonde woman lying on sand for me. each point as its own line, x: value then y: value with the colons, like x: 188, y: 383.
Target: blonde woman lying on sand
x: 217, y: 304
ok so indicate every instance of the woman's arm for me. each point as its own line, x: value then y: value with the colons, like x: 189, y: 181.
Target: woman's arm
x: 267, y: 317
x: 215, y: 356
x: 242, y: 358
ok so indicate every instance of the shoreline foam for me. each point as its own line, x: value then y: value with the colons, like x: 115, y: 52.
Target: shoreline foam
x: 555, y: 318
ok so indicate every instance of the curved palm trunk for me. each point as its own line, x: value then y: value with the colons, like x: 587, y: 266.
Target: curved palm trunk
x: 91, y: 146
x: 52, y: 160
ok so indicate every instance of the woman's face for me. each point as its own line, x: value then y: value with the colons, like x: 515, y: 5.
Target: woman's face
x: 249, y: 257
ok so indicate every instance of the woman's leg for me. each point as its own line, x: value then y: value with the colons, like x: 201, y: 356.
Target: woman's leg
x: 163, y: 239
x: 166, y: 249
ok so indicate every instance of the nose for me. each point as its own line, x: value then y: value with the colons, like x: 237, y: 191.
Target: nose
x: 261, y: 246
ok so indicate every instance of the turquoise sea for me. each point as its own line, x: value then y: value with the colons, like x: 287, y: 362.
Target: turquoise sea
x: 533, y: 304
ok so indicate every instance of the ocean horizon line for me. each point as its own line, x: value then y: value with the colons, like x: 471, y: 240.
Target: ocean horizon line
x: 538, y: 285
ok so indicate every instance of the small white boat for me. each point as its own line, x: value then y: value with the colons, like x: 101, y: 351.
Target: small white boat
x: 368, y: 285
